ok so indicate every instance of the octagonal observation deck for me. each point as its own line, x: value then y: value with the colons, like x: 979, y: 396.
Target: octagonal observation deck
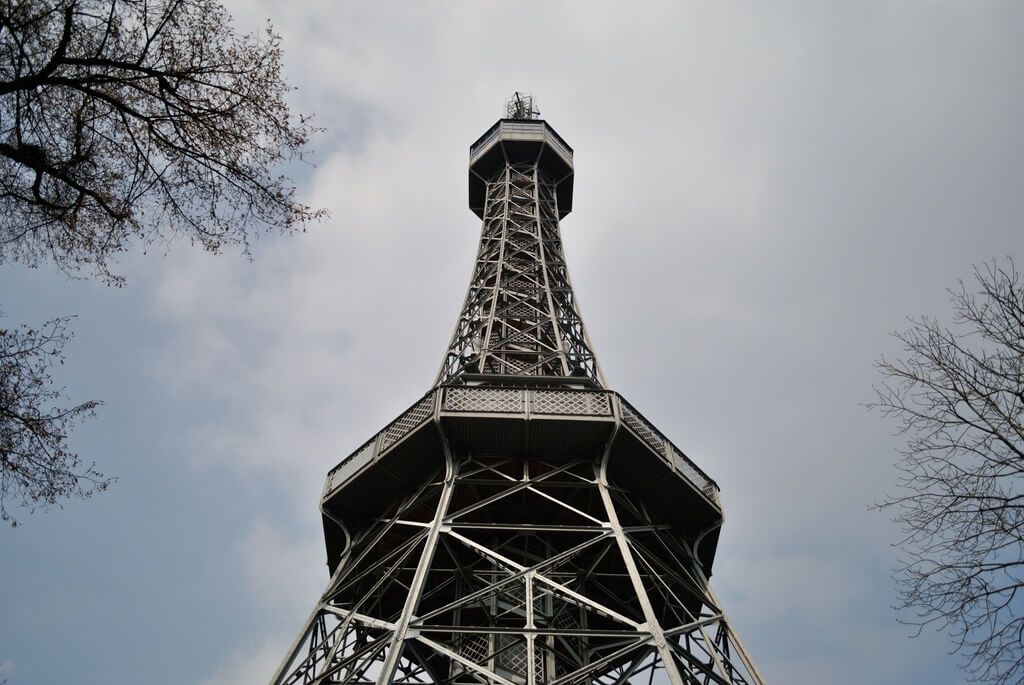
x: 543, y: 421
x: 515, y: 141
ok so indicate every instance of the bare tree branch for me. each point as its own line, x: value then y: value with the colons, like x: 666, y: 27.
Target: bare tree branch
x: 36, y: 468
x: 124, y: 120
x: 957, y: 396
x: 121, y: 122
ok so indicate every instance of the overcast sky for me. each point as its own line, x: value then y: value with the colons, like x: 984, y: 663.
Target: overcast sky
x: 762, y: 196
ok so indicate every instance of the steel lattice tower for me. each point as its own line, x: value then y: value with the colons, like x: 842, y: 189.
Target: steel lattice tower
x: 519, y: 523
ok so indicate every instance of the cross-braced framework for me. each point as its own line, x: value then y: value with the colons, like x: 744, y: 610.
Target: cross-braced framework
x: 520, y: 317
x: 518, y: 570
x: 519, y: 525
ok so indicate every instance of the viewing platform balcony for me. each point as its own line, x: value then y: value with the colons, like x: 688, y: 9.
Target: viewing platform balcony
x: 527, y: 422
x: 517, y: 141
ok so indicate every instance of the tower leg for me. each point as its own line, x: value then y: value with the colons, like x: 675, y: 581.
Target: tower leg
x: 634, y: 576
x: 402, y: 625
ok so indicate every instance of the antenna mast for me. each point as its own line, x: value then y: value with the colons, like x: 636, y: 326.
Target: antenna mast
x: 521, y: 106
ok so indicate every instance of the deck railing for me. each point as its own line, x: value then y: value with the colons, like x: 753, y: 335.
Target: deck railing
x: 522, y: 402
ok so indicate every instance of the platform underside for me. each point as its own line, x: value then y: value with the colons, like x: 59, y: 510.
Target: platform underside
x: 522, y: 422
x: 511, y: 569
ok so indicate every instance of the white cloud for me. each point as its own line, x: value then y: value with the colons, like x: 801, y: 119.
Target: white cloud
x: 251, y: 663
x: 284, y: 576
x: 282, y: 571
x: 760, y: 198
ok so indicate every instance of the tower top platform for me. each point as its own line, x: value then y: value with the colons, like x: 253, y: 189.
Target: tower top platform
x: 515, y: 141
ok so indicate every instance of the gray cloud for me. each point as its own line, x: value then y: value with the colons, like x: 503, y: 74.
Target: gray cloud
x: 761, y: 196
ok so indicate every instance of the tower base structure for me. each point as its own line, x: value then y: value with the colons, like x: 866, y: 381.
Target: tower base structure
x: 578, y: 554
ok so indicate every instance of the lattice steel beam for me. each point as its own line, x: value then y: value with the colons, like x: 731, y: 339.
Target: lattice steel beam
x: 520, y: 316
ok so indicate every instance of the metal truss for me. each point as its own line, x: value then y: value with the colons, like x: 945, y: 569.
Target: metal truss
x: 517, y: 570
x: 520, y: 317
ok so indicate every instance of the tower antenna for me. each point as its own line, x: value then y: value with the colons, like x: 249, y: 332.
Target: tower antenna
x: 521, y: 106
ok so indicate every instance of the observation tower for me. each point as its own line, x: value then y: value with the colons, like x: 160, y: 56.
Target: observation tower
x: 520, y: 523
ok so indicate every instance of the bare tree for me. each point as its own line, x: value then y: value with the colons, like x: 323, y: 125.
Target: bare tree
x: 124, y: 122
x: 36, y: 467
x: 139, y: 119
x: 958, y: 396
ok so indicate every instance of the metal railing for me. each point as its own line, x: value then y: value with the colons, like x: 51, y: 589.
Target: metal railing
x: 522, y: 402
x: 675, y: 458
x: 538, y: 130
x: 382, y: 442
